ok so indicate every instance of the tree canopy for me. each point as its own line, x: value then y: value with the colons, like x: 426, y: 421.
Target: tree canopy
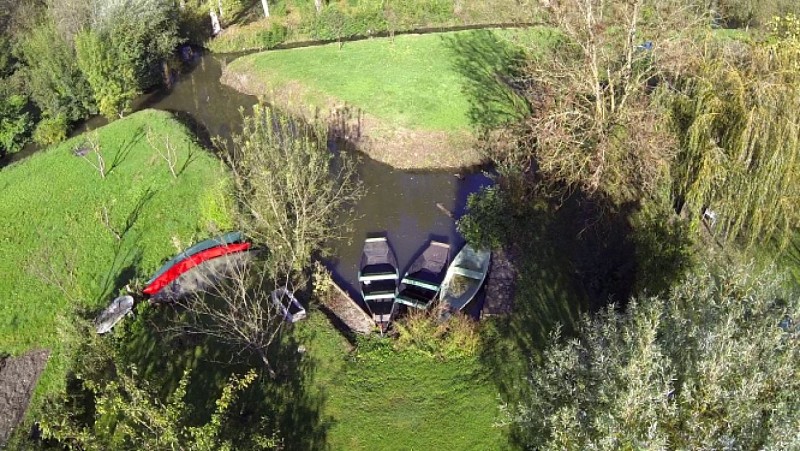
x: 712, y: 365
x: 737, y: 122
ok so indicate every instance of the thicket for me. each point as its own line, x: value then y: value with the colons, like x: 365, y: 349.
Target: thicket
x: 666, y: 149
x: 66, y: 60
x: 711, y: 365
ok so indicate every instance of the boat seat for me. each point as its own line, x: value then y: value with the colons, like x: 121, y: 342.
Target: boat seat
x: 472, y: 274
x: 421, y: 284
x: 412, y: 302
x: 378, y: 296
x: 378, y: 276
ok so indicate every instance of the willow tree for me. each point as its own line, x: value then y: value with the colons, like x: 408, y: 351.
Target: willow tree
x: 711, y: 365
x: 738, y: 125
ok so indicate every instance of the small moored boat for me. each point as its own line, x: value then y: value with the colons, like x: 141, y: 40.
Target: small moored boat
x: 289, y: 306
x: 421, y: 283
x: 117, y: 310
x: 377, y: 277
x: 464, y: 277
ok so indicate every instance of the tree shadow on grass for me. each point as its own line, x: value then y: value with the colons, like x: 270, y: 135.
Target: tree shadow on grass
x: 125, y: 149
x: 283, y: 404
x: 491, y: 70
x: 568, y: 263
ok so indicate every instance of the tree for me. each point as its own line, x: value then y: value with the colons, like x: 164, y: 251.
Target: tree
x: 294, y: 195
x: 232, y: 304
x: 713, y: 365
x: 737, y: 121
x: 14, y: 122
x: 129, y: 414
x: 53, y: 78
x: 147, y: 30
x: 110, y: 70
x: 593, y: 125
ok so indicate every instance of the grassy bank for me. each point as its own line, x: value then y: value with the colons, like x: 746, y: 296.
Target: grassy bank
x: 298, y: 20
x: 88, y: 236
x: 376, y: 398
x: 416, y: 99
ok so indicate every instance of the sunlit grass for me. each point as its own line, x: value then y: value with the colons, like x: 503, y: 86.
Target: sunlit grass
x: 52, y: 217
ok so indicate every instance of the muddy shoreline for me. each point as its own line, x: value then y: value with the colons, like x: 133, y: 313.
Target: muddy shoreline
x: 399, y: 147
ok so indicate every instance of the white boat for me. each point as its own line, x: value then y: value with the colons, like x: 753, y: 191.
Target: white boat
x: 109, y: 317
x: 464, y: 277
x: 291, y: 308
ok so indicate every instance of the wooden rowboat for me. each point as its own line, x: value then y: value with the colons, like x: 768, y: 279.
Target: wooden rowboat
x: 377, y: 277
x: 422, y: 281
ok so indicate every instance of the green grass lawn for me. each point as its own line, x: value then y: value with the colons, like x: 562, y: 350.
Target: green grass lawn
x: 377, y: 398
x: 51, y: 217
x: 431, y: 82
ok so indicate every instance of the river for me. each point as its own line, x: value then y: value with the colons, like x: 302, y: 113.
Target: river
x: 401, y: 204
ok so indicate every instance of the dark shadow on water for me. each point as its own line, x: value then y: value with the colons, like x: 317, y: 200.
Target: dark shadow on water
x: 405, y: 206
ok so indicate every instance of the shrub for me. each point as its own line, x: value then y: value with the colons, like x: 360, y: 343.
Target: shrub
x: 51, y: 130
x: 423, y: 332
x: 486, y: 222
x: 53, y: 78
x: 14, y: 122
x: 216, y: 209
x: 237, y: 40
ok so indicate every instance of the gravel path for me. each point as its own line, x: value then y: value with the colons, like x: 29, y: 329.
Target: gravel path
x: 18, y: 377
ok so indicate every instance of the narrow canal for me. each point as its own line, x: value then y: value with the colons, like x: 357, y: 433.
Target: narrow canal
x: 402, y: 204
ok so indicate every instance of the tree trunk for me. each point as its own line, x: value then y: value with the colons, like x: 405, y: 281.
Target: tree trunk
x: 215, y: 27
x: 318, y: 4
x: 264, y: 358
x: 266, y: 7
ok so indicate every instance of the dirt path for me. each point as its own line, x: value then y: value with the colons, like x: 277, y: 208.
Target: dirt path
x: 18, y: 377
x: 501, y: 284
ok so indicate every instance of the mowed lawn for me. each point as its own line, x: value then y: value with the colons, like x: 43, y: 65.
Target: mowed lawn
x: 376, y: 398
x: 411, y: 82
x: 416, y: 81
x: 53, y: 209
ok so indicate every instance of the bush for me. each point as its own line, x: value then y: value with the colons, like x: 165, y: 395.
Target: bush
x: 51, y: 130
x: 216, y: 211
x: 486, y: 222
x: 53, y: 77
x: 335, y: 23
x: 14, y: 122
x: 423, y: 332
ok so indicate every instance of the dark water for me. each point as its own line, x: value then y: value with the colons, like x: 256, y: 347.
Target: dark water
x: 401, y: 204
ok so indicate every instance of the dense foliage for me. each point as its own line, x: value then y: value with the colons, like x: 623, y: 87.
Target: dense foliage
x: 130, y: 414
x: 289, y: 187
x: 712, y: 365
x: 14, y: 122
x: 737, y: 123
x: 53, y: 78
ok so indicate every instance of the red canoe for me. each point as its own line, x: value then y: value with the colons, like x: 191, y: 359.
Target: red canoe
x: 190, y: 262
